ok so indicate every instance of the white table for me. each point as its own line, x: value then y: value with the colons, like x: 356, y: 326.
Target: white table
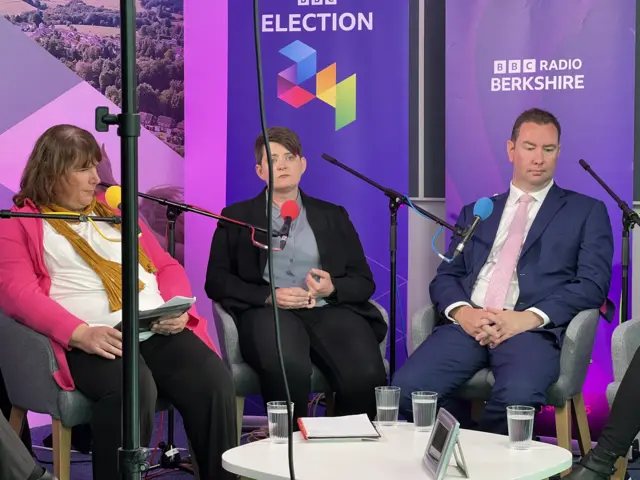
x: 397, y: 455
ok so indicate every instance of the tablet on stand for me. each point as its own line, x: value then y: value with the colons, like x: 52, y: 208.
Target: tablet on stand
x: 443, y: 442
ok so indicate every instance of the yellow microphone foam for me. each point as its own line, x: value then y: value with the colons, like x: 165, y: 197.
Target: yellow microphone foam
x: 113, y: 197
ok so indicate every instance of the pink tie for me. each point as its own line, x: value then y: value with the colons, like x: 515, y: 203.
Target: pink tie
x: 508, y: 257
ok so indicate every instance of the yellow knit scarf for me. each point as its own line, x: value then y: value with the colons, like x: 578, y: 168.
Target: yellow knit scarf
x: 109, y: 272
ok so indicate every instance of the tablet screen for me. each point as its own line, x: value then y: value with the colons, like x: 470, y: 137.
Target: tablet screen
x: 439, y: 437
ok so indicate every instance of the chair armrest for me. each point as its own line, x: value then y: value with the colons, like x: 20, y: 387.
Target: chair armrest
x: 624, y: 344
x: 28, y: 364
x: 422, y: 324
x: 385, y: 317
x: 575, y: 356
x: 227, y: 336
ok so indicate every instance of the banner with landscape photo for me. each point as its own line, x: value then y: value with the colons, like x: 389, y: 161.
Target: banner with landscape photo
x: 61, y: 60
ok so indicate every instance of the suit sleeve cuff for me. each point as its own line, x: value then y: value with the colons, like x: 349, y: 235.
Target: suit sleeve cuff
x: 453, y: 306
x: 545, y: 318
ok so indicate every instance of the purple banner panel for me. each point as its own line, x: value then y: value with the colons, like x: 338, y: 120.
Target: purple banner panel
x: 336, y: 72
x: 574, y: 58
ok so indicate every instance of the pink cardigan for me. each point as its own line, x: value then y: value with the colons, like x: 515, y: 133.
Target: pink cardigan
x: 25, y: 284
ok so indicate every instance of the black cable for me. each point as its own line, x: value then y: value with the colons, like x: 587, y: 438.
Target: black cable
x: 265, y: 135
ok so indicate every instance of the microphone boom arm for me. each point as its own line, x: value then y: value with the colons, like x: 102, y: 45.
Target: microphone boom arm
x: 627, y: 211
x: 396, y: 200
x: 393, y: 195
x: 54, y: 216
x: 183, y: 207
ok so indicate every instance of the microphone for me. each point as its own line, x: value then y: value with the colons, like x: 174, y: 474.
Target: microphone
x: 113, y: 197
x: 289, y: 211
x: 481, y: 211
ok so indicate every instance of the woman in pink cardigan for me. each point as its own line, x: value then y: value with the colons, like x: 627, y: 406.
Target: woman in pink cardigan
x: 63, y: 279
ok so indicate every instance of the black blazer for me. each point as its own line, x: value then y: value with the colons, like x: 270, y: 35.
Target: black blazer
x: 236, y: 266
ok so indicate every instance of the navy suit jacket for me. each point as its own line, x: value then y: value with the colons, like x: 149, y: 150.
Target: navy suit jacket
x: 565, y: 263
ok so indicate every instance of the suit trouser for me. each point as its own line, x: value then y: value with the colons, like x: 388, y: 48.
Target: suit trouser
x: 180, y: 369
x: 16, y: 463
x: 5, y: 408
x: 524, y: 367
x: 337, y: 340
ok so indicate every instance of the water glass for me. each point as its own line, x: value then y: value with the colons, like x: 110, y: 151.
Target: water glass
x: 520, y: 423
x: 277, y: 417
x: 424, y: 410
x: 387, y: 402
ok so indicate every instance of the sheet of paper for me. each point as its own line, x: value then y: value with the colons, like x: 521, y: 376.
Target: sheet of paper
x: 178, y: 300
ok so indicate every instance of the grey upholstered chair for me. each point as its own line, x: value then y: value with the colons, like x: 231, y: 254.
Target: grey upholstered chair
x: 246, y: 379
x: 566, y: 393
x: 28, y: 363
x: 625, y: 341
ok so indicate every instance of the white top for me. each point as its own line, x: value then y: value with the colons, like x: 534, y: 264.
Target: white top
x: 398, y: 455
x: 76, y: 287
x: 482, y: 283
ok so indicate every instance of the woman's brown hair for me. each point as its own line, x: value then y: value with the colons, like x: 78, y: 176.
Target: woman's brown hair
x: 58, y: 150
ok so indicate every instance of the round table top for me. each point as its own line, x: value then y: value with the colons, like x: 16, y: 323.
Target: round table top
x: 398, y: 454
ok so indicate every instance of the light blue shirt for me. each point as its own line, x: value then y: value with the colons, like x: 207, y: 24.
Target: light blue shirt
x: 292, y: 264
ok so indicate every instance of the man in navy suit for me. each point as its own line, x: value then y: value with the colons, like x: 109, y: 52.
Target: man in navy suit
x: 544, y: 255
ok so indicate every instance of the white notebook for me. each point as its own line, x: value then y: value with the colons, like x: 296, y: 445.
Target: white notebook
x: 350, y: 426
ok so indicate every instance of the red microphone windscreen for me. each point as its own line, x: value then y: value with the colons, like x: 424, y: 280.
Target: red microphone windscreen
x: 290, y: 209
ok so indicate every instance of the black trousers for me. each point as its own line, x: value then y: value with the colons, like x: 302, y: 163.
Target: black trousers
x: 338, y: 341
x: 5, y: 408
x: 624, y: 421
x: 179, y: 368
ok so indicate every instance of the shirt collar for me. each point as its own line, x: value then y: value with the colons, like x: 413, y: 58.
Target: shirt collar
x: 276, y: 209
x: 515, y: 193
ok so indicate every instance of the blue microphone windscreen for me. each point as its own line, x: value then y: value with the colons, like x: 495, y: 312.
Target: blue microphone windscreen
x: 483, y: 208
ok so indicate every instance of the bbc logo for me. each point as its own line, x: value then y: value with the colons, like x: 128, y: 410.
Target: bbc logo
x: 306, y: 3
x: 500, y: 67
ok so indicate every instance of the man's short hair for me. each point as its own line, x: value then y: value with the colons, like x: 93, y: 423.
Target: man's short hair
x: 537, y: 116
x: 282, y: 135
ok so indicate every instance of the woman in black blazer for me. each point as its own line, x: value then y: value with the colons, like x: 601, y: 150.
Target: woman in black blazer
x: 323, y: 287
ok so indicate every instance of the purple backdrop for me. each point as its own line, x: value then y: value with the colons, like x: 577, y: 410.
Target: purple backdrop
x: 593, y: 98
x: 365, y: 38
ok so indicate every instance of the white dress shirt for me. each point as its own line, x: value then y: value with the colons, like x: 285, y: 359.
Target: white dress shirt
x: 482, y: 282
x: 78, y: 288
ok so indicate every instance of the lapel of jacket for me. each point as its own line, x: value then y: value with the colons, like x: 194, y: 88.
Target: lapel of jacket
x: 318, y: 223
x: 550, y: 206
x: 258, y: 218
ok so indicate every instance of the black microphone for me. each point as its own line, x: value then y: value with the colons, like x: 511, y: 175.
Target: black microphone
x: 481, y: 210
x: 289, y: 211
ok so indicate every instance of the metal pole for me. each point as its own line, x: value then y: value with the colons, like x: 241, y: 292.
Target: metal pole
x: 132, y: 458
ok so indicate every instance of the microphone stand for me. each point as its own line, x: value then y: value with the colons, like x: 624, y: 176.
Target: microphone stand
x: 396, y: 200
x: 629, y: 220
x: 132, y: 459
x: 170, y: 458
